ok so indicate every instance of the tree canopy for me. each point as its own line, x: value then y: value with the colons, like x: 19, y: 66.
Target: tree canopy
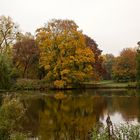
x: 25, y: 54
x: 63, y: 53
x: 124, y: 68
x: 8, y: 33
x: 97, y: 64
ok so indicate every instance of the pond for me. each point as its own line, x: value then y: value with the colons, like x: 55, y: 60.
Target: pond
x: 70, y: 115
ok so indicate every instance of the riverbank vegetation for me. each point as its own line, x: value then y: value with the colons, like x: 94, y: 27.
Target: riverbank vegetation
x: 121, y: 132
x: 60, y: 56
x: 12, y: 114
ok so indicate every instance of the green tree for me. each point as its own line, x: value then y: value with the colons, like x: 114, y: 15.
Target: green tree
x: 138, y: 64
x: 5, y: 71
x: 8, y: 33
x: 63, y: 53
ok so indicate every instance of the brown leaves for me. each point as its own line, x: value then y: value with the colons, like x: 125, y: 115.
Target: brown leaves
x: 25, y: 53
x: 124, y: 68
x: 90, y: 43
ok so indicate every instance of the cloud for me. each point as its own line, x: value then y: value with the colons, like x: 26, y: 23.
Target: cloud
x: 114, y: 24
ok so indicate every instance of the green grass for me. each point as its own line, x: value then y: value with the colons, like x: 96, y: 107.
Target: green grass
x: 33, y: 84
x: 110, y: 84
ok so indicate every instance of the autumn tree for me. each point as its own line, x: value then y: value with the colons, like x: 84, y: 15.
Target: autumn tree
x: 124, y: 68
x: 108, y: 61
x: 97, y: 64
x: 63, y: 53
x: 8, y: 33
x: 25, y: 55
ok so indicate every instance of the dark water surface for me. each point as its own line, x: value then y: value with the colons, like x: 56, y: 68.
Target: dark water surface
x: 70, y: 115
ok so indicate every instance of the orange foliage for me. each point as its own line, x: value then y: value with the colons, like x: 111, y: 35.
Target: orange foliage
x: 63, y: 53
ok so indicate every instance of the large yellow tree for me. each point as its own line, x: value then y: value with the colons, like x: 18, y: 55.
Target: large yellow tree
x: 63, y: 54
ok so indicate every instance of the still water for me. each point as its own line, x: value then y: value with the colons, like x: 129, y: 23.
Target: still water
x: 70, y: 115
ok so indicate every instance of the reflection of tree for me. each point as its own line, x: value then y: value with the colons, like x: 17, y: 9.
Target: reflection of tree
x: 74, y: 118
x: 33, y: 106
x: 67, y: 116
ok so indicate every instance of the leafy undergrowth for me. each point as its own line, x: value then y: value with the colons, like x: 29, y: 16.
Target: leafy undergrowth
x: 29, y: 84
x: 12, y: 112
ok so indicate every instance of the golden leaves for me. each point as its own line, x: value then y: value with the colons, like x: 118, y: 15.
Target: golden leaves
x: 63, y: 53
x: 59, y: 83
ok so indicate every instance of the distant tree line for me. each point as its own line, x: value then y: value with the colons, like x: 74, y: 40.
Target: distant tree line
x: 60, y: 54
x: 123, y: 68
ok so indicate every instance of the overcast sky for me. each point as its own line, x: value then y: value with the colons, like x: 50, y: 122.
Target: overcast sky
x: 113, y: 24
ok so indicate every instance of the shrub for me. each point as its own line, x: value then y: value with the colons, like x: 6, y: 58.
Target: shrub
x: 26, y: 84
x: 5, y: 72
x: 121, y: 132
x: 12, y: 112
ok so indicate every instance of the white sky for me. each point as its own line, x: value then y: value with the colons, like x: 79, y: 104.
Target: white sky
x: 113, y: 24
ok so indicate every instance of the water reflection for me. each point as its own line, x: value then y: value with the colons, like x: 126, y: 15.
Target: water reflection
x: 71, y: 116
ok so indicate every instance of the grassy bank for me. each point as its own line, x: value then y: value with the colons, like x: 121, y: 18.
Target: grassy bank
x: 110, y: 84
x: 30, y: 84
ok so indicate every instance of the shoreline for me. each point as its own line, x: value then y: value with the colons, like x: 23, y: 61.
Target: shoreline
x: 90, y: 86
x: 34, y: 85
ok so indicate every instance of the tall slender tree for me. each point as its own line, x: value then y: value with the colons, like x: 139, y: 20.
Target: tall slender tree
x: 108, y: 61
x: 8, y: 34
x: 138, y: 64
x: 97, y: 64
